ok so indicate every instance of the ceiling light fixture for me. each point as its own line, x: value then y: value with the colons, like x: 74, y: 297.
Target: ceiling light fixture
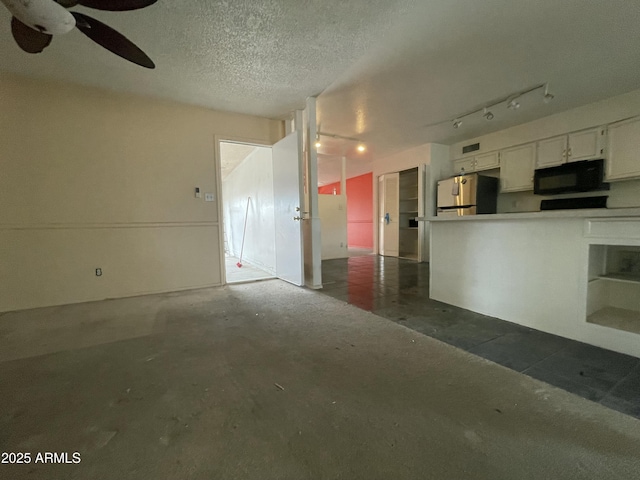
x: 318, y: 143
x: 487, y: 114
x: 513, y: 104
x: 361, y: 146
x: 547, y: 95
x: 457, y: 123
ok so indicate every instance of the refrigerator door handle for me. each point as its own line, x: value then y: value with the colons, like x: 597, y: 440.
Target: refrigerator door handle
x: 455, y: 189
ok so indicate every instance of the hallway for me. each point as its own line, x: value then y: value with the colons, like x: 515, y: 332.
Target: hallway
x: 398, y: 290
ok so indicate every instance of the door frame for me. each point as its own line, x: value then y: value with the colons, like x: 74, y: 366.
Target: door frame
x: 218, y: 169
x: 423, y: 192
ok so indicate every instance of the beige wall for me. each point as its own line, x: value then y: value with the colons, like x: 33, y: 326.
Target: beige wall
x: 91, y: 178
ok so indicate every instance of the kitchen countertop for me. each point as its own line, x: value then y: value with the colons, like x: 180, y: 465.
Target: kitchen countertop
x: 577, y: 213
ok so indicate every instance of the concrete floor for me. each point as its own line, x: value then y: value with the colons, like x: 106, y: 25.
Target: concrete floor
x: 266, y: 380
x: 246, y: 273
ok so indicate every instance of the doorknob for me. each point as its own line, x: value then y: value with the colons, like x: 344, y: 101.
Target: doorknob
x: 387, y: 218
x: 298, y: 218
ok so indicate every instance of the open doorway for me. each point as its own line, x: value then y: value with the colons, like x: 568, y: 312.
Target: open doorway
x: 345, y: 188
x: 248, y: 212
x: 359, y: 212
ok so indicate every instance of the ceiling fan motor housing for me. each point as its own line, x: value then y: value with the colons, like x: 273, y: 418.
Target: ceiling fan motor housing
x: 45, y: 16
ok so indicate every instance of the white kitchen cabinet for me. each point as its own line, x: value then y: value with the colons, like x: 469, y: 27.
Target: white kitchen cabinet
x: 478, y: 163
x: 465, y: 165
x: 487, y: 161
x: 552, y: 152
x: 624, y: 150
x: 586, y: 145
x: 516, y: 168
x: 583, y: 145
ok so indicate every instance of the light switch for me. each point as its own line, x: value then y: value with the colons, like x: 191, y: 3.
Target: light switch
x: 208, y: 197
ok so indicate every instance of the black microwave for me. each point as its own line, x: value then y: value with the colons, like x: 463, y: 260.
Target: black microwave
x: 584, y: 176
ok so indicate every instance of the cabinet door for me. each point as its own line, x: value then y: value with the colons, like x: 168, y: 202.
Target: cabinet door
x: 487, y: 161
x: 464, y: 163
x: 389, y: 205
x: 516, y: 168
x: 552, y: 152
x: 624, y: 150
x: 586, y: 145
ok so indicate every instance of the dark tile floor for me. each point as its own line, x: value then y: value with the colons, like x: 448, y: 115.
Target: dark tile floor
x: 398, y: 289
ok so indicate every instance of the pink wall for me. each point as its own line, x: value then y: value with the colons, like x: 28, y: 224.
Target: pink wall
x: 359, y: 209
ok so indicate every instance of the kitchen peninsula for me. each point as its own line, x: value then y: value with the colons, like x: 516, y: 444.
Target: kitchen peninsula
x: 541, y: 270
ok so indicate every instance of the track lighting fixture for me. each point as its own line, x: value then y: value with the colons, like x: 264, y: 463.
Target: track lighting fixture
x: 361, y: 147
x: 511, y: 102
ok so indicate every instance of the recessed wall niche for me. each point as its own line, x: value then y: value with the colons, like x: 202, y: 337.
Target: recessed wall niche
x: 613, y: 294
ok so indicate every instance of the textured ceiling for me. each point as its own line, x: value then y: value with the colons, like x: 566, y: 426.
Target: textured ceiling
x: 447, y: 57
x: 384, y: 69
x: 256, y: 57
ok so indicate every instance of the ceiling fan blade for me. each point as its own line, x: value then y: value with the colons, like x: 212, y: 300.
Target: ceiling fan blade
x: 112, y: 40
x: 116, y: 5
x: 67, y: 3
x: 28, y: 39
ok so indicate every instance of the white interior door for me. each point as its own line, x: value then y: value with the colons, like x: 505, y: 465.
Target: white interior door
x: 288, y: 200
x: 389, y: 213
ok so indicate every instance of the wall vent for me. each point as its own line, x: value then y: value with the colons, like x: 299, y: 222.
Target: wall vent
x: 474, y: 147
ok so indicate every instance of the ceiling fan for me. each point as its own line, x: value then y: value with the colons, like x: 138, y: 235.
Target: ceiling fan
x: 35, y: 22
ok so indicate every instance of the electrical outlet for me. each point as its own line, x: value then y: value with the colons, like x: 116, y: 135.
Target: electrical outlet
x: 208, y: 197
x: 98, y: 272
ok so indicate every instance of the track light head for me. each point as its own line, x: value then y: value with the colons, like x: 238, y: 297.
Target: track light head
x: 513, y: 104
x: 547, y: 95
x: 457, y: 123
x: 487, y: 114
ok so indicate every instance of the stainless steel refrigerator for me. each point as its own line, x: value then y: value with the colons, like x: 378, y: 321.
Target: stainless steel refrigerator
x: 469, y: 194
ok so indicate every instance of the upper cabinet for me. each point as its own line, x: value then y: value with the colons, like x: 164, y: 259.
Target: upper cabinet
x: 586, y: 145
x: 464, y: 165
x: 485, y: 161
x: 583, y: 145
x: 516, y: 168
x: 624, y: 150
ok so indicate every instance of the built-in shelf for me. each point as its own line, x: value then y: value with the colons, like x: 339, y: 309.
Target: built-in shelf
x: 613, y: 292
x: 409, y: 210
x: 621, y: 277
x: 618, y: 318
